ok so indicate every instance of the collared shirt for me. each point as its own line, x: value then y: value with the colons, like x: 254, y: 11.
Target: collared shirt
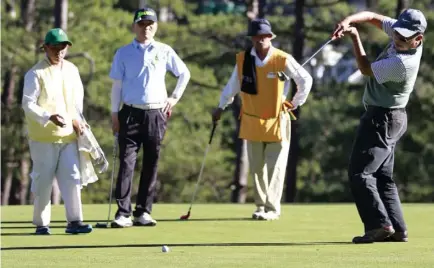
x: 142, y: 69
x: 301, y: 77
x: 395, y: 74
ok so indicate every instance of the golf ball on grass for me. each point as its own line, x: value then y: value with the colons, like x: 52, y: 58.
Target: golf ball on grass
x: 165, y: 249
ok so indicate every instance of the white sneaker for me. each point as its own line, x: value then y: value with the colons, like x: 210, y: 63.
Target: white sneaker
x: 258, y: 212
x: 269, y: 216
x: 144, y: 220
x: 121, y: 222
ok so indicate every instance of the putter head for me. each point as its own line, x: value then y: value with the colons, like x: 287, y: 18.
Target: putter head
x: 101, y: 225
x: 186, y: 216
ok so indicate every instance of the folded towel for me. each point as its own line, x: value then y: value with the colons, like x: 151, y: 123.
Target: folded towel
x: 87, y: 172
x: 90, y: 154
x: 249, y: 74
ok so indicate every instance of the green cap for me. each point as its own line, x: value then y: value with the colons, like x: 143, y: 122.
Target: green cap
x: 56, y: 36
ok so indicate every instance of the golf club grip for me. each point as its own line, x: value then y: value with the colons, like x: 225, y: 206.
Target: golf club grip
x: 212, y: 132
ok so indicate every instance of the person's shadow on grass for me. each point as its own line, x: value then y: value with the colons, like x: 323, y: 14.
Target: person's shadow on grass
x: 239, y: 244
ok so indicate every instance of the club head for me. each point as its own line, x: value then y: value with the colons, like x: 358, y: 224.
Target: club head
x: 101, y: 225
x: 185, y: 217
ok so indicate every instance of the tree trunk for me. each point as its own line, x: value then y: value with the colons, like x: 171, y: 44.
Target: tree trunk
x: 252, y: 9
x: 10, y: 9
x: 8, y: 99
x: 28, y: 14
x: 401, y: 5
x: 291, y: 168
x: 261, y: 8
x: 142, y: 3
x: 371, y: 4
x: 239, y: 186
x: 24, y: 185
x: 61, y: 14
x: 60, y: 21
x: 7, y: 186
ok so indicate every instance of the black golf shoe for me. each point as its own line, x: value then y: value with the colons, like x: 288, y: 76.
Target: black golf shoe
x: 376, y: 235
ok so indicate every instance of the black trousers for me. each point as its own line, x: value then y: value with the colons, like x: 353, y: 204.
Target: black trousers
x: 138, y: 128
x: 371, y: 168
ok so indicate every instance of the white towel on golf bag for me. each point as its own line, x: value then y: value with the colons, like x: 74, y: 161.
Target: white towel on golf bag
x: 87, y: 172
x: 89, y: 149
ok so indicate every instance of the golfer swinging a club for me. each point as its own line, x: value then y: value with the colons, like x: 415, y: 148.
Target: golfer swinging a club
x: 265, y: 113
x: 391, y: 79
x: 138, y: 73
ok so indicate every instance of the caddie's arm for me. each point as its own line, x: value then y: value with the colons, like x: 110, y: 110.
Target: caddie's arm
x: 29, y: 103
x: 231, y: 89
x: 302, y: 79
x: 177, y: 66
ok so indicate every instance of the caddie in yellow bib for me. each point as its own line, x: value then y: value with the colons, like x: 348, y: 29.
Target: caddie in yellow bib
x: 261, y: 78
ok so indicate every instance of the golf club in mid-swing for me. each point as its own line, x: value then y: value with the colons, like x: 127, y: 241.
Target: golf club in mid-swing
x: 105, y: 224
x: 283, y: 76
x: 186, y: 216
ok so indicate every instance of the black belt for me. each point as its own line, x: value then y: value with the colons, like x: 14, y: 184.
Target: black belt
x: 384, y: 109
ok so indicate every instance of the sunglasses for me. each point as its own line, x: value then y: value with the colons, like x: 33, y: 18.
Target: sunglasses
x: 405, y: 39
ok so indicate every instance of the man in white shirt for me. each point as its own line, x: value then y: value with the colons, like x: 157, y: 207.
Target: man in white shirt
x: 52, y: 93
x: 265, y: 114
x: 138, y: 73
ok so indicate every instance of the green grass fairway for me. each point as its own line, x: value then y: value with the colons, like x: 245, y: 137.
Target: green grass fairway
x: 217, y: 236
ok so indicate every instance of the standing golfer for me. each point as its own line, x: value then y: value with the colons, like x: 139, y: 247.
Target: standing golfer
x: 265, y: 120
x: 138, y: 72
x: 52, y: 91
x: 391, y: 80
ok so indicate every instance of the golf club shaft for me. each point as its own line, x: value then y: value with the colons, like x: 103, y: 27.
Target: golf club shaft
x: 200, y: 176
x: 286, y: 77
x: 203, y: 164
x: 314, y: 54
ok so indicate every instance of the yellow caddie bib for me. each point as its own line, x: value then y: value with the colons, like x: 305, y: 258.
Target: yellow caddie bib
x: 261, y: 113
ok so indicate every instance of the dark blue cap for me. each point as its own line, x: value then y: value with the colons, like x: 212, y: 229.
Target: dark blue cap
x: 410, y: 22
x: 145, y: 14
x: 260, y: 27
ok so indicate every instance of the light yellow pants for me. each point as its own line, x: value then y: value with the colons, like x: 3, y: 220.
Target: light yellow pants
x: 267, y: 163
x: 50, y: 160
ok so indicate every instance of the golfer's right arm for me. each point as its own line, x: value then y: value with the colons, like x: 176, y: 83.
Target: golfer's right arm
x: 231, y: 89
x: 29, y: 104
x: 360, y: 17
